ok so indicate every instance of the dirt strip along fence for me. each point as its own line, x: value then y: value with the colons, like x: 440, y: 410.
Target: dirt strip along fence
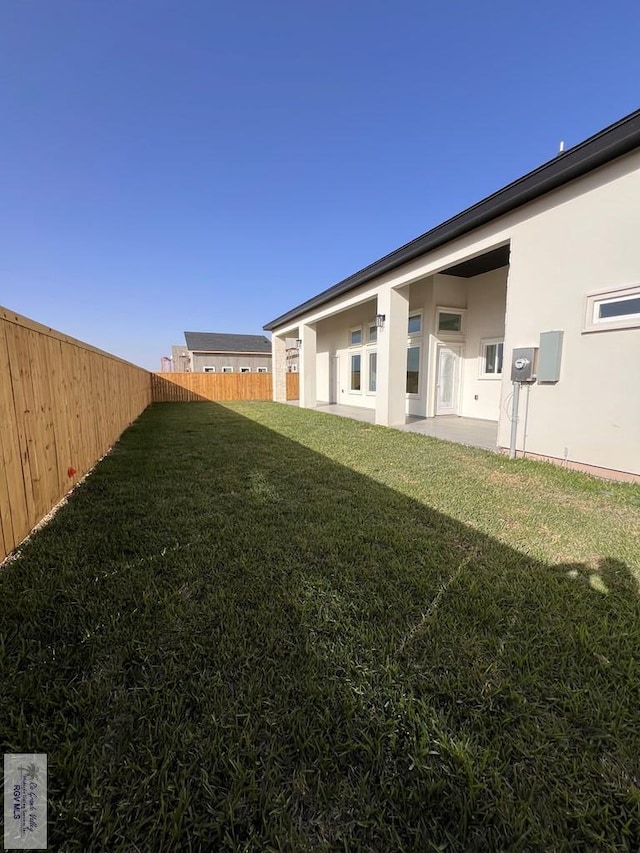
x: 63, y: 404
x: 218, y: 387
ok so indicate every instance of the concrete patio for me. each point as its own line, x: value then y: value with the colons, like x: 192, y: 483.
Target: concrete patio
x: 470, y: 431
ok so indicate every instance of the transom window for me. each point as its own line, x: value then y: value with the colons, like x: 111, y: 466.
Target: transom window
x: 355, y: 337
x: 449, y: 321
x: 491, y: 357
x: 245, y: 370
x: 415, y: 324
x: 261, y: 370
x: 208, y: 369
x: 613, y: 309
x: 373, y: 333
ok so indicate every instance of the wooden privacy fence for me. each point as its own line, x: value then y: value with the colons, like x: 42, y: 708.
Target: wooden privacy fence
x: 293, y: 386
x: 187, y: 387
x: 63, y: 404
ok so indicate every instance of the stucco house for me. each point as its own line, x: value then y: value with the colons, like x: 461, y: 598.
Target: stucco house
x: 544, y: 273
x: 214, y: 352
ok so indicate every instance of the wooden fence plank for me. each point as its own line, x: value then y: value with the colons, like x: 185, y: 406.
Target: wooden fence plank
x: 63, y: 403
x: 13, y: 509
x: 293, y: 386
x: 220, y: 387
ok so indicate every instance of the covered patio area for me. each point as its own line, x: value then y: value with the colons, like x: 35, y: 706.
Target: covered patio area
x: 472, y: 432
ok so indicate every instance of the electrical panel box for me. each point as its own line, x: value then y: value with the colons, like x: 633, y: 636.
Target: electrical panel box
x: 550, y: 356
x: 523, y: 364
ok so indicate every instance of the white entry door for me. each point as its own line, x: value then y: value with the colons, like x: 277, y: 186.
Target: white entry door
x: 447, y: 379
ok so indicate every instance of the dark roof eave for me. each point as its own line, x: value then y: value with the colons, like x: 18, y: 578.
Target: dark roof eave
x: 230, y: 352
x: 612, y: 142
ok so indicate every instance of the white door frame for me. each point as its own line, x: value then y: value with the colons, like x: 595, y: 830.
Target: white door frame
x: 454, y: 409
x: 334, y: 379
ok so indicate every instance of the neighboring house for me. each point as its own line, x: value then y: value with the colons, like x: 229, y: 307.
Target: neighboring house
x: 180, y: 361
x: 212, y: 352
x: 430, y: 329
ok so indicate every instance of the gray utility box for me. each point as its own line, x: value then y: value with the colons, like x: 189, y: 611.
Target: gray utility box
x: 523, y: 364
x: 550, y: 356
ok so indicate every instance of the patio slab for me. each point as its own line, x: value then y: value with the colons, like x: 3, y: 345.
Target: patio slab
x: 470, y: 431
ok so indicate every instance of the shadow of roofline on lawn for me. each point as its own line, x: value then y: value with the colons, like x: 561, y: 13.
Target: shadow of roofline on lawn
x: 347, y: 664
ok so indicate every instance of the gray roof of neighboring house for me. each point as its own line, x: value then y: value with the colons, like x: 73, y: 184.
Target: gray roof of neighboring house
x: 614, y: 141
x: 218, y: 342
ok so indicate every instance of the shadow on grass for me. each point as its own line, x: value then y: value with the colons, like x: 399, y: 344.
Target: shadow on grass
x: 226, y: 641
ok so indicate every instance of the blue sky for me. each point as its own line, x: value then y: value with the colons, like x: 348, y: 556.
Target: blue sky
x: 191, y: 164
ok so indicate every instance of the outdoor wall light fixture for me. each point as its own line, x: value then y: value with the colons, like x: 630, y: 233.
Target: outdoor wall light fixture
x: 380, y: 318
x: 298, y: 343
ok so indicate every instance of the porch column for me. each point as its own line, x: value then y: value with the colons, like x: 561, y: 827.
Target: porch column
x: 391, y: 384
x: 279, y: 368
x: 307, y: 367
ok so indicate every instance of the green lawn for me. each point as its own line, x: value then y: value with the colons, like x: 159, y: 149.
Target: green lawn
x: 255, y: 628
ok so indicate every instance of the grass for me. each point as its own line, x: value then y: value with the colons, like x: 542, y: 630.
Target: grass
x: 255, y: 628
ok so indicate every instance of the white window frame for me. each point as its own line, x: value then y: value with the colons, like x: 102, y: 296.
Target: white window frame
x: 353, y: 355
x: 372, y: 328
x: 620, y: 294
x: 227, y: 369
x: 261, y: 370
x: 245, y: 370
x: 293, y: 368
x: 351, y: 331
x: 371, y: 352
x: 208, y: 368
x: 442, y: 309
x: 484, y: 343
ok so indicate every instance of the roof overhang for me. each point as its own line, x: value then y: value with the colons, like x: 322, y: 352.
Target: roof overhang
x: 612, y: 142
x: 229, y: 352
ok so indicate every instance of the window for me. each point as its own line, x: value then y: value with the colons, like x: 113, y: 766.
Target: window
x: 294, y: 368
x: 415, y: 324
x: 208, y: 369
x: 355, y: 372
x: 245, y: 370
x: 414, y: 328
x: 449, y: 321
x: 355, y: 337
x: 227, y: 369
x: 261, y: 370
x: 491, y: 355
x: 373, y: 334
x: 613, y: 309
x: 373, y: 371
x: 413, y: 370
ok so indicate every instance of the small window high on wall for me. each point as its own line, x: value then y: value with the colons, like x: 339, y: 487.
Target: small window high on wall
x: 449, y: 321
x: 613, y: 309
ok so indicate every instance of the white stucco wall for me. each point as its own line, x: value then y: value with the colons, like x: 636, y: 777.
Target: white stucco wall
x: 585, y: 243
x: 578, y: 239
x: 485, y: 319
x: 333, y: 349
